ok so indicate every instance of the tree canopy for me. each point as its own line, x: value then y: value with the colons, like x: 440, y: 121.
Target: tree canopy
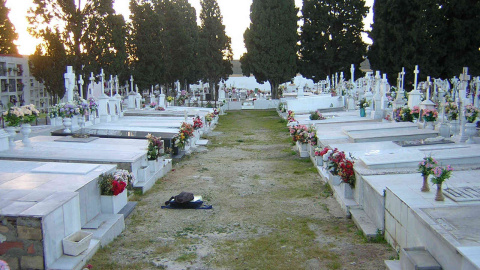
x: 330, y: 39
x: 7, y: 32
x: 441, y: 36
x: 215, y: 46
x: 271, y: 42
x: 90, y: 31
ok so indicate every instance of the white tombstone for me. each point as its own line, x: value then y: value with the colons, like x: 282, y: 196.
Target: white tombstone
x: 69, y: 77
x: 138, y: 98
x: 377, y: 112
x: 414, y: 97
x: 300, y: 93
x: 462, y: 92
x: 131, y: 96
x: 384, y: 91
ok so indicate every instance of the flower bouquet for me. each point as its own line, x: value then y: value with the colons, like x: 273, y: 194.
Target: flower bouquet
x: 197, y: 123
x: 92, y: 104
x: 299, y: 133
x: 440, y: 175
x: 345, y: 170
x: 430, y: 115
x: 426, y: 167
x: 169, y: 99
x: 451, y: 109
x: 209, y: 117
x: 312, y: 136
x: 291, y: 117
x: 30, y: 113
x: 84, y: 107
x: 109, y: 185
x: 415, y: 112
x: 152, y: 104
x: 316, y: 116
x: 363, y: 103
x: 186, y: 132
x: 13, y: 116
x: 160, y: 109
x: 125, y: 176
x: 154, y: 148
x: 471, y: 113
x: 68, y: 110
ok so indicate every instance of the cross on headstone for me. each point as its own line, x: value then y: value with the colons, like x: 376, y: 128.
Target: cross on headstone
x: 116, y: 85
x: 80, y: 85
x: 427, y: 88
x: 90, y: 85
x: 403, y: 78
x: 352, y: 73
x: 416, y: 71
x: 464, y: 78
x: 102, y: 78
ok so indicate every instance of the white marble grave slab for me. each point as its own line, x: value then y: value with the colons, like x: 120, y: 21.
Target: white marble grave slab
x: 392, y: 135
x: 374, y: 127
x: 66, y: 168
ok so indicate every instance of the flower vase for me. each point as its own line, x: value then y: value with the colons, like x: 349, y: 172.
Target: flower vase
x: 26, y: 130
x: 81, y: 121
x: 67, y: 122
x: 429, y: 124
x: 454, y: 127
x: 11, y: 136
x: 319, y: 161
x: 439, y: 195
x: 470, y: 131
x: 113, y: 204
x: 362, y: 112
x: 425, y: 187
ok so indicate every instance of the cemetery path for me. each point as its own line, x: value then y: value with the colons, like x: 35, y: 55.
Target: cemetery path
x: 270, y: 210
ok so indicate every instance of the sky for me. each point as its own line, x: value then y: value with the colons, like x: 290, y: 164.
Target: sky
x: 236, y: 18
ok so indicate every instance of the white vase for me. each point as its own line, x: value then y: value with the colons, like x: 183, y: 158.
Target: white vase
x: 454, y: 127
x: 346, y: 190
x: 470, y: 131
x: 26, y: 130
x: 319, y: 161
x: 67, y: 123
x: 12, y: 132
x: 113, y: 204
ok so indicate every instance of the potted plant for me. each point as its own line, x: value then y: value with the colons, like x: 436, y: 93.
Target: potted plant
x: 363, y: 103
x: 426, y: 167
x: 440, y: 175
x: 113, y: 195
x: 30, y: 114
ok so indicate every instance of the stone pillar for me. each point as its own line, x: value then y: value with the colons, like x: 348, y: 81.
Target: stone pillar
x: 104, y: 109
x: 161, y: 100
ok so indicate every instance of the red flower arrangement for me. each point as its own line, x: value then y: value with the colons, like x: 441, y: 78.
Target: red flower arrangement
x: 346, y: 172
x: 197, y: 123
x: 291, y: 117
x: 109, y: 185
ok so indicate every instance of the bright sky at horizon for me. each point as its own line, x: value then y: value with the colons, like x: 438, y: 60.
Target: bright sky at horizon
x: 236, y: 18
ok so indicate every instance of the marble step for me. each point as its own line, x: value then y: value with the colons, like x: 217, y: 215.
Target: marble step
x: 66, y: 262
x: 400, y: 127
x: 417, y: 258
x: 364, y: 223
x: 392, y: 265
x: 392, y: 135
x: 108, y: 227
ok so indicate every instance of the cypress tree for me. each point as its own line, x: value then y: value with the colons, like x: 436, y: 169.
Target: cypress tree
x: 215, y: 49
x: 271, y: 42
x: 330, y: 39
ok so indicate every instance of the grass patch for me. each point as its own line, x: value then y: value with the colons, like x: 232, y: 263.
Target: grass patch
x: 187, y: 257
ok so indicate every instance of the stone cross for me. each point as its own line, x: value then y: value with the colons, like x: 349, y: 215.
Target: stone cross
x: 416, y: 71
x: 116, y: 85
x: 427, y: 88
x: 464, y: 78
x: 110, y: 84
x: 102, y: 79
x: 69, y: 77
x: 90, y: 85
x: 80, y: 85
x: 403, y: 78
x: 131, y: 83
x: 352, y: 72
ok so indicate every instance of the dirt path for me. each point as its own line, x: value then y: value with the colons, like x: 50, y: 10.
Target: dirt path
x: 271, y: 210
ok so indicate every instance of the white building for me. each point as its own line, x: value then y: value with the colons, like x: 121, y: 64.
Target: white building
x: 18, y: 86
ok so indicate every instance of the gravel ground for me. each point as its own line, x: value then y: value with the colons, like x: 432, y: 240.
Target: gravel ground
x: 270, y: 210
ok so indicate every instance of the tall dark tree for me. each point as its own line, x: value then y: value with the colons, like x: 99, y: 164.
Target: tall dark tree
x: 7, y: 32
x: 271, y: 42
x: 437, y: 35
x: 145, y: 45
x: 215, y: 46
x: 179, y: 38
x: 330, y: 39
x: 88, y: 34
x: 48, y: 63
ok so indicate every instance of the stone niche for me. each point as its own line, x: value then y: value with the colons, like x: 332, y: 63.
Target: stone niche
x: 21, y: 242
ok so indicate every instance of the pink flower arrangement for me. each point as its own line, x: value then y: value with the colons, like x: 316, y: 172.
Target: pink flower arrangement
x: 440, y: 174
x: 430, y: 115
